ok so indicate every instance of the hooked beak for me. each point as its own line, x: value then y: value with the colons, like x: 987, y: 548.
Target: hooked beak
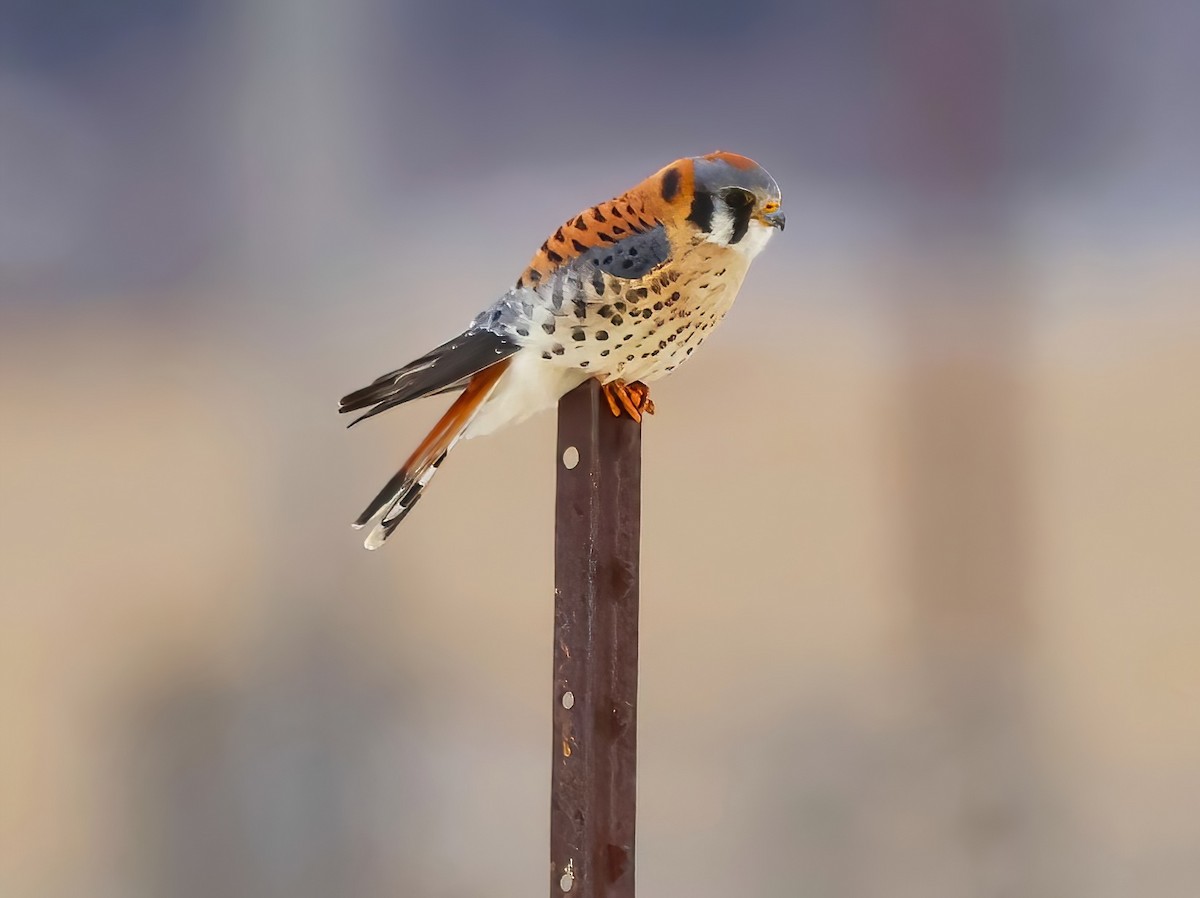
x: 776, y: 219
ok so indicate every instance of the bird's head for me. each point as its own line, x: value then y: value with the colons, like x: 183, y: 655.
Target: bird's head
x: 723, y: 198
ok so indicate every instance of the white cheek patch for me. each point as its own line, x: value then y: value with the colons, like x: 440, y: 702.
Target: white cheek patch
x: 756, y: 238
x: 722, y: 225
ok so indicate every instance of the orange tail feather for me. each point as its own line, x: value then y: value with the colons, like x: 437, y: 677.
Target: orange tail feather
x: 401, y: 493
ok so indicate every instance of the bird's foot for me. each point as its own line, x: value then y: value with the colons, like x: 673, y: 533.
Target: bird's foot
x: 632, y: 399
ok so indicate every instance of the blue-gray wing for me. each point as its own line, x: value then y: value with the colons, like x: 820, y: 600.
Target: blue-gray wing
x: 530, y: 313
x: 629, y: 258
x: 448, y: 367
x: 527, y: 315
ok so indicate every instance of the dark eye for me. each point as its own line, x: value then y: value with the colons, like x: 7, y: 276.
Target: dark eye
x: 736, y: 198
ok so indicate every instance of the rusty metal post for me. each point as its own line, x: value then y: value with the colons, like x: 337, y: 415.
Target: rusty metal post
x: 593, y: 790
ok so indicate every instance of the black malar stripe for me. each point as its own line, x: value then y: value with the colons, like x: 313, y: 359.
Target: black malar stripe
x: 741, y: 221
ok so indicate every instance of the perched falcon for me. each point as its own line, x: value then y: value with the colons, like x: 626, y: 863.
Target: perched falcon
x: 623, y: 292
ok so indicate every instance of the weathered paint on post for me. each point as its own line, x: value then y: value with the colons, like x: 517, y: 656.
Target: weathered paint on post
x: 593, y: 791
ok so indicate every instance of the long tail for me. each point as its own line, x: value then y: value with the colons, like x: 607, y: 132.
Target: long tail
x: 401, y: 493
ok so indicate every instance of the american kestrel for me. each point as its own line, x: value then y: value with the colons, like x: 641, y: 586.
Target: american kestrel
x: 623, y: 292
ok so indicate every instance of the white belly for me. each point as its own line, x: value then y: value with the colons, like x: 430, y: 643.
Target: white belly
x: 529, y: 386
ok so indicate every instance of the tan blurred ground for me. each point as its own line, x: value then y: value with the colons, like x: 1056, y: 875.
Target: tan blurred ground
x: 199, y: 661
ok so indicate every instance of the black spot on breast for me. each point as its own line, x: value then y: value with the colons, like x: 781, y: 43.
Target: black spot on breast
x: 646, y: 313
x: 558, y: 349
x: 606, y: 238
x: 522, y: 331
x: 604, y: 352
x: 546, y: 355
x: 584, y: 363
x: 617, y: 229
x: 658, y: 307
x: 670, y: 184
x: 619, y: 306
x: 579, y: 247
x: 548, y: 327
x: 617, y: 212
x: 702, y: 211
x: 617, y: 320
x: 535, y: 275
x: 580, y: 223
x: 553, y: 256
x: 629, y: 358
x: 597, y: 216
x: 604, y: 311
x: 601, y: 335
x: 579, y: 334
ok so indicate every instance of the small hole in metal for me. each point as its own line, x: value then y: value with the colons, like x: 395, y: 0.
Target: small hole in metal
x: 570, y: 458
x: 568, y: 700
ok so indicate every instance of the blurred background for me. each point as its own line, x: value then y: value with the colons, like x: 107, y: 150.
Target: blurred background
x: 920, y: 591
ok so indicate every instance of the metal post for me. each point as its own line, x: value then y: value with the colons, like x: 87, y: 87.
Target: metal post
x: 593, y: 791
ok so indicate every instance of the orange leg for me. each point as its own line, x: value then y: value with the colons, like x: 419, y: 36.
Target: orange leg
x: 641, y: 397
x: 606, y: 390
x: 633, y: 399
